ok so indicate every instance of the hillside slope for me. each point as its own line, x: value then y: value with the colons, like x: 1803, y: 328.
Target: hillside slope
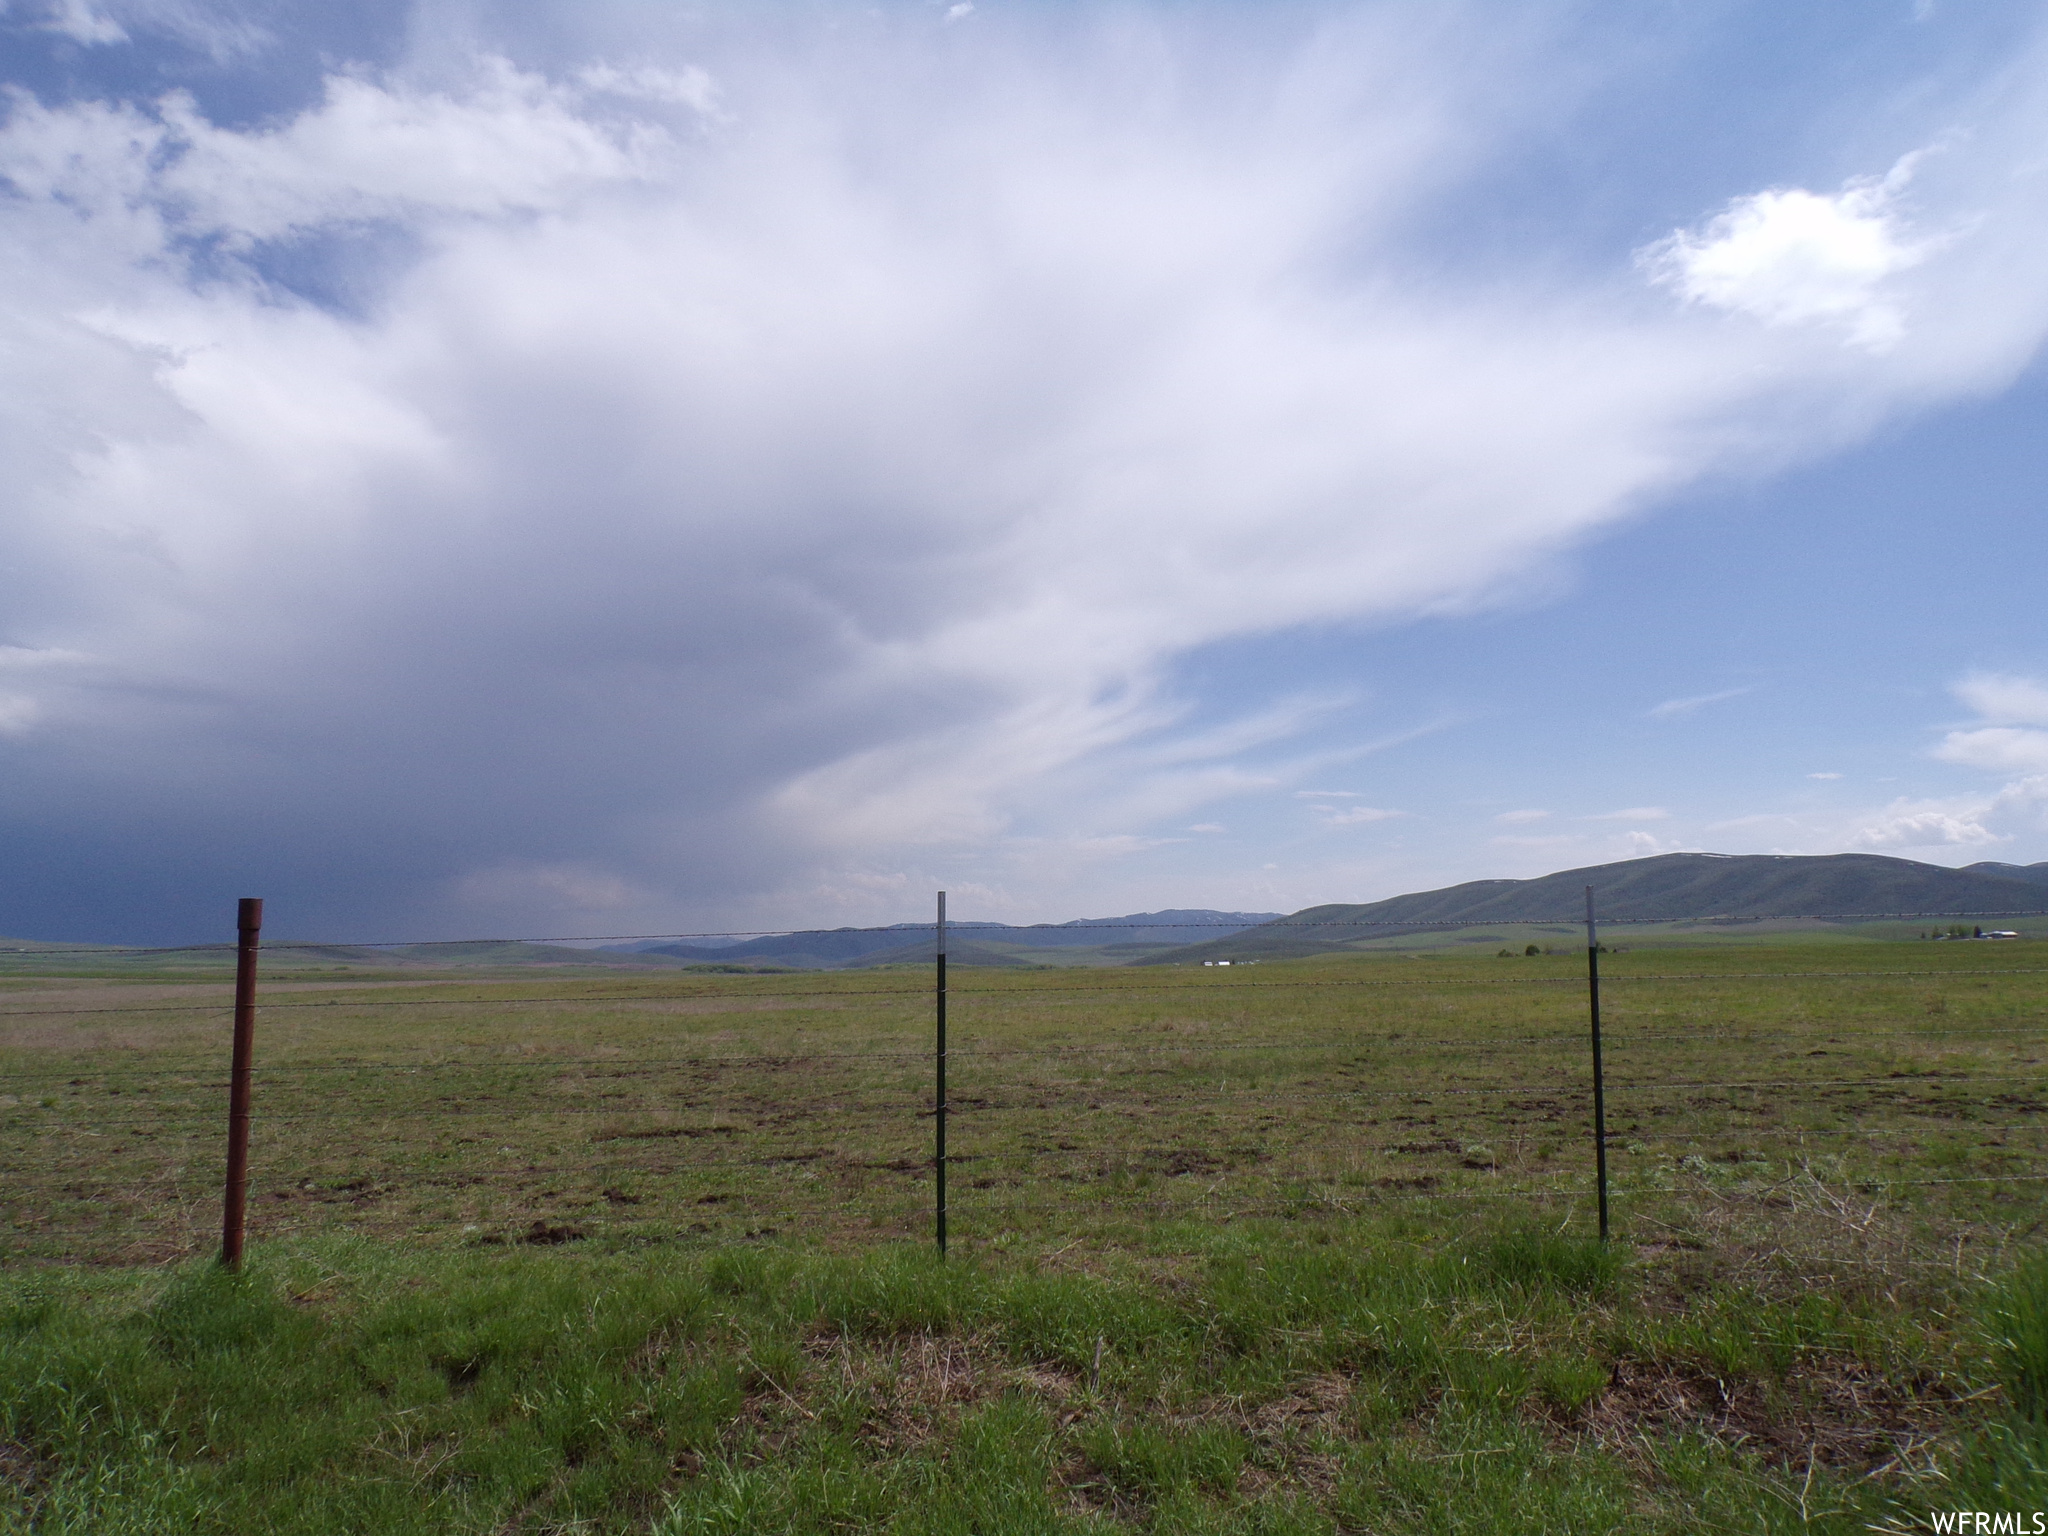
x: 2034, y: 874
x: 1667, y: 887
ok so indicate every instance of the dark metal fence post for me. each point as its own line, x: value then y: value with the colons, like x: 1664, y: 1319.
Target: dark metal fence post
x: 939, y: 1162
x: 248, y: 929
x: 1599, y: 1084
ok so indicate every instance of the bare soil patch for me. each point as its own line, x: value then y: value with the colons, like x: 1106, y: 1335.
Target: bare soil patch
x: 1840, y: 1414
x: 20, y: 1468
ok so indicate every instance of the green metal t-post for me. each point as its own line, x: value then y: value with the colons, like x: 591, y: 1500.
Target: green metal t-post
x: 939, y: 1161
x: 1599, y: 1084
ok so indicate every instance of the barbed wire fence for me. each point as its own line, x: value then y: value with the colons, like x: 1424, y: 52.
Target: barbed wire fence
x: 796, y: 1140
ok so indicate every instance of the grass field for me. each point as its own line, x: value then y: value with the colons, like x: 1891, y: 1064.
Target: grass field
x: 1299, y: 1246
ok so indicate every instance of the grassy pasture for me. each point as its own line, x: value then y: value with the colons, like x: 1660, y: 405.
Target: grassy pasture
x: 1298, y: 1246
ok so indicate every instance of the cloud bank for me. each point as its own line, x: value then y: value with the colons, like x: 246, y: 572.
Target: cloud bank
x: 780, y: 467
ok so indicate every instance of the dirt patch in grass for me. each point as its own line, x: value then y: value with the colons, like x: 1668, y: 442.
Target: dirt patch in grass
x: 1833, y: 1414
x: 1291, y: 1434
x: 913, y: 1390
x: 1317, y: 1404
x: 20, y: 1468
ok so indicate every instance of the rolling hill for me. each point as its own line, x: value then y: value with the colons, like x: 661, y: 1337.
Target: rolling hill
x: 1672, y: 887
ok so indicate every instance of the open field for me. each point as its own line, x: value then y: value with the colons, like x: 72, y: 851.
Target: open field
x: 644, y: 1106
x: 1326, y: 1218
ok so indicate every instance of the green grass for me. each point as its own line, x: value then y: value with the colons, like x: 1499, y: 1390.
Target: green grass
x: 1271, y: 1383
x: 1305, y: 1246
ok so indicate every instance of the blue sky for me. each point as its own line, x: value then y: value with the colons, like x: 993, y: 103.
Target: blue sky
x: 487, y: 469
x: 1762, y: 664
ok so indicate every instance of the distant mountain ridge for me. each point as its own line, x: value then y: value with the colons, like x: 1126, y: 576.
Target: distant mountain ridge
x: 1665, y: 888
x: 903, y: 941
x: 1668, y: 888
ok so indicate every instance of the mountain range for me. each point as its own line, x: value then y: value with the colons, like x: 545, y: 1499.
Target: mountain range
x: 1684, y: 897
x: 971, y: 943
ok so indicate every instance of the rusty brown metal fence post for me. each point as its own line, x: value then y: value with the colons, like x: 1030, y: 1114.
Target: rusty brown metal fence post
x: 234, y: 1208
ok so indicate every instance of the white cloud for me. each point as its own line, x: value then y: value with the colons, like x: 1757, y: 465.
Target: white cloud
x: 1354, y: 816
x: 224, y: 33
x: 1998, y: 749
x: 1632, y: 813
x: 1326, y: 794
x: 1207, y: 826
x: 507, y: 143
x: 1921, y: 824
x: 1514, y: 817
x: 2002, y: 744
x: 1824, y: 776
x: 689, y: 87
x: 1790, y: 257
x: 1642, y: 845
x: 80, y: 21
x: 1672, y: 708
x: 2005, y: 700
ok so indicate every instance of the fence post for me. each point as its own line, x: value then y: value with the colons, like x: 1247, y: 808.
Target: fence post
x: 248, y: 929
x: 1599, y: 1084
x: 939, y: 1162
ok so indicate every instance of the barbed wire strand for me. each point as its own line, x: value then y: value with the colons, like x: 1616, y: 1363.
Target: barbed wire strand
x: 626, y: 1068
x: 1094, y: 1098
x: 1311, y: 1195
x: 1024, y: 992
x: 1123, y: 1158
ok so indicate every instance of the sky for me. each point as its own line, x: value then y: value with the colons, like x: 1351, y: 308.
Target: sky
x: 477, y: 469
